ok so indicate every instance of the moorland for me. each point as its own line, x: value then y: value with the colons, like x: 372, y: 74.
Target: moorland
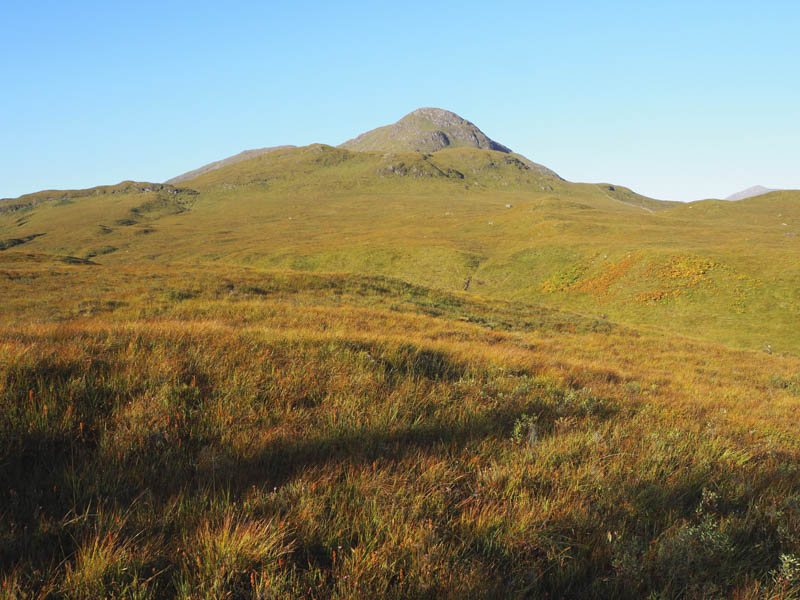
x: 415, y: 365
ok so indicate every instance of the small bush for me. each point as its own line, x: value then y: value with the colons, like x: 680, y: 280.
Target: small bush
x: 790, y: 384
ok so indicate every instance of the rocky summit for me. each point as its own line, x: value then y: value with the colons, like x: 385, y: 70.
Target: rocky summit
x: 424, y: 130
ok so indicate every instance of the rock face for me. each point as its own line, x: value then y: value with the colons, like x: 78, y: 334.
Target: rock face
x: 756, y: 190
x: 424, y: 130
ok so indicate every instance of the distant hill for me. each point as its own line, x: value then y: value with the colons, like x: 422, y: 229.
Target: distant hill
x: 756, y: 190
x: 231, y: 160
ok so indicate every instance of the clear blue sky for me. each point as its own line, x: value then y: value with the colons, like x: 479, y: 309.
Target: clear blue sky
x: 678, y: 100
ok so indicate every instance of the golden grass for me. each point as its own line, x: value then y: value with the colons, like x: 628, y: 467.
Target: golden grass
x: 232, y: 434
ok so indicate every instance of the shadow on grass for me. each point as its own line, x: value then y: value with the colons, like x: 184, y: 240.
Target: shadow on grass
x: 287, y: 457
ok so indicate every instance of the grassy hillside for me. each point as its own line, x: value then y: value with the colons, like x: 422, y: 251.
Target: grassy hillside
x: 200, y: 430
x: 247, y: 154
x: 458, y: 219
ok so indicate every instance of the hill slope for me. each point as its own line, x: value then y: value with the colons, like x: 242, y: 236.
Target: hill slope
x: 318, y: 372
x: 178, y: 431
x: 459, y: 218
x: 245, y: 155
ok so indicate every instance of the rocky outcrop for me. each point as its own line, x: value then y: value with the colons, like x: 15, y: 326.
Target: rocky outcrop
x: 424, y: 130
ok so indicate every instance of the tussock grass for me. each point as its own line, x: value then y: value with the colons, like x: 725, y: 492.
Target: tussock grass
x: 191, y: 432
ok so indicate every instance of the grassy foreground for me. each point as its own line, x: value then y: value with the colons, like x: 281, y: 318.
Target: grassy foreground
x: 195, y: 432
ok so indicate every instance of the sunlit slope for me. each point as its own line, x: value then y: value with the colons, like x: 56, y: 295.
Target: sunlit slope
x: 212, y: 431
x: 460, y: 218
x: 311, y: 201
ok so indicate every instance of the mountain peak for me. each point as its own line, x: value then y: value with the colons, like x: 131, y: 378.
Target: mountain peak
x: 751, y: 192
x: 439, y: 117
x: 424, y: 130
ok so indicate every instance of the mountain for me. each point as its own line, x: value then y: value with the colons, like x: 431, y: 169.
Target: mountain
x: 247, y: 154
x: 425, y: 130
x: 359, y: 373
x: 751, y: 192
x: 460, y: 218
x: 429, y: 130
